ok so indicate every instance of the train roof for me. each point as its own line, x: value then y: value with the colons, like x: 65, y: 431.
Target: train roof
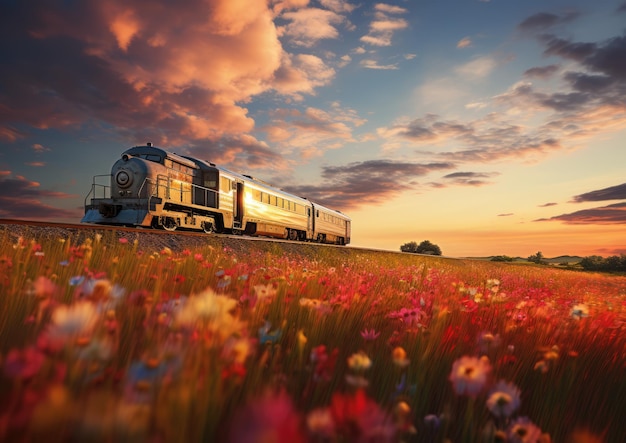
x: 148, y: 149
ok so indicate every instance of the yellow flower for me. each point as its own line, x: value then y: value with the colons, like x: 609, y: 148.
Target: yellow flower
x: 359, y: 361
x: 398, y: 356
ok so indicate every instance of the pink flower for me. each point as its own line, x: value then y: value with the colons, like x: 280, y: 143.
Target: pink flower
x: 359, y: 419
x: 23, y: 364
x: 369, y: 334
x: 269, y: 418
x: 522, y: 430
x: 469, y: 375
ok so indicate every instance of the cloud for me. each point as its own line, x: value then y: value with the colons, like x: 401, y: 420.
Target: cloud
x: 370, y: 182
x: 114, y: 65
x: 545, y: 20
x: 478, y: 68
x: 384, y: 25
x: 543, y: 72
x: 35, y: 164
x: 547, y: 205
x: 22, y: 198
x: 307, y: 26
x: 373, y: 64
x: 464, y: 43
x: 242, y: 152
x: 606, y: 215
x: 469, y: 178
x: 508, y: 214
x: 612, y: 193
x: 313, y: 131
x: 526, y: 122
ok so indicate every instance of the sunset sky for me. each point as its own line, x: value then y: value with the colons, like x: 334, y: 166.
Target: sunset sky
x: 489, y: 127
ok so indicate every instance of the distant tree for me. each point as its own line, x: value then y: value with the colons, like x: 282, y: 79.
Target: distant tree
x: 613, y: 263
x: 425, y: 247
x: 537, y: 258
x: 502, y: 258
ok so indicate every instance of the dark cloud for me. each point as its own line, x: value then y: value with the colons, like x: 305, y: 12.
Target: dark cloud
x: 508, y: 214
x: 469, y: 178
x: 547, y: 205
x: 542, y: 71
x: 606, y: 215
x: 608, y: 58
x: 545, y: 20
x: 612, y: 193
x: 370, y: 182
x: 21, y: 198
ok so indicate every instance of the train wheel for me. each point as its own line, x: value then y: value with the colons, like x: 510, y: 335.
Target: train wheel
x: 208, y: 227
x: 293, y: 234
x: 169, y: 224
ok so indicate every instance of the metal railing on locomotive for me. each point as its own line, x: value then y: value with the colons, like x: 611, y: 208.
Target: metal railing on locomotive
x: 104, y: 188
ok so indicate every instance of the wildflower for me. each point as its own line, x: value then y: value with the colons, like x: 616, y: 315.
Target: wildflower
x: 301, y: 339
x: 469, y: 375
x: 265, y: 293
x: 166, y: 251
x: 73, y: 321
x: 369, y: 334
x: 320, y: 306
x: 522, y: 430
x: 359, y: 418
x: 324, y: 363
x: 503, y: 399
x: 320, y: 423
x: 359, y: 362
x: 410, y: 317
x: 487, y: 341
x: 398, y: 356
x: 265, y: 337
x: 271, y: 417
x: 123, y: 240
x: 579, y: 311
x: 211, y: 312
x: 44, y: 287
x: 23, y: 364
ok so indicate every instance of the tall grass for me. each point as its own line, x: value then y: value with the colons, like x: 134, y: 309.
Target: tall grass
x: 103, y: 340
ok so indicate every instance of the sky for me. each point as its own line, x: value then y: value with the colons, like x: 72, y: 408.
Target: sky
x: 488, y: 127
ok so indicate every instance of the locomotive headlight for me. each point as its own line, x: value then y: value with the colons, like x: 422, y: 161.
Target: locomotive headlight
x: 123, y: 179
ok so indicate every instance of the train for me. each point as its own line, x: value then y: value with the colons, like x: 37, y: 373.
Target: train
x: 154, y: 188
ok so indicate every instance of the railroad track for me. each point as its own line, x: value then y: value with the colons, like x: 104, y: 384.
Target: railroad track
x: 166, y: 236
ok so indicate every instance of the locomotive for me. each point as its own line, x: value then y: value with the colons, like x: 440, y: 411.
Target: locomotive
x: 152, y: 187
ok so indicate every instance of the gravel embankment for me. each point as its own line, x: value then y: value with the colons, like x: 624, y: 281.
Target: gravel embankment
x: 155, y: 241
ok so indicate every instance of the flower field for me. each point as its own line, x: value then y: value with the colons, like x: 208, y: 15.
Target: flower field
x: 103, y: 339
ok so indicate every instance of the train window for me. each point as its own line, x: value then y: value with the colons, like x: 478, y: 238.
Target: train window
x: 274, y: 200
x: 210, y: 179
x: 151, y: 157
x: 256, y: 195
x: 280, y: 203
